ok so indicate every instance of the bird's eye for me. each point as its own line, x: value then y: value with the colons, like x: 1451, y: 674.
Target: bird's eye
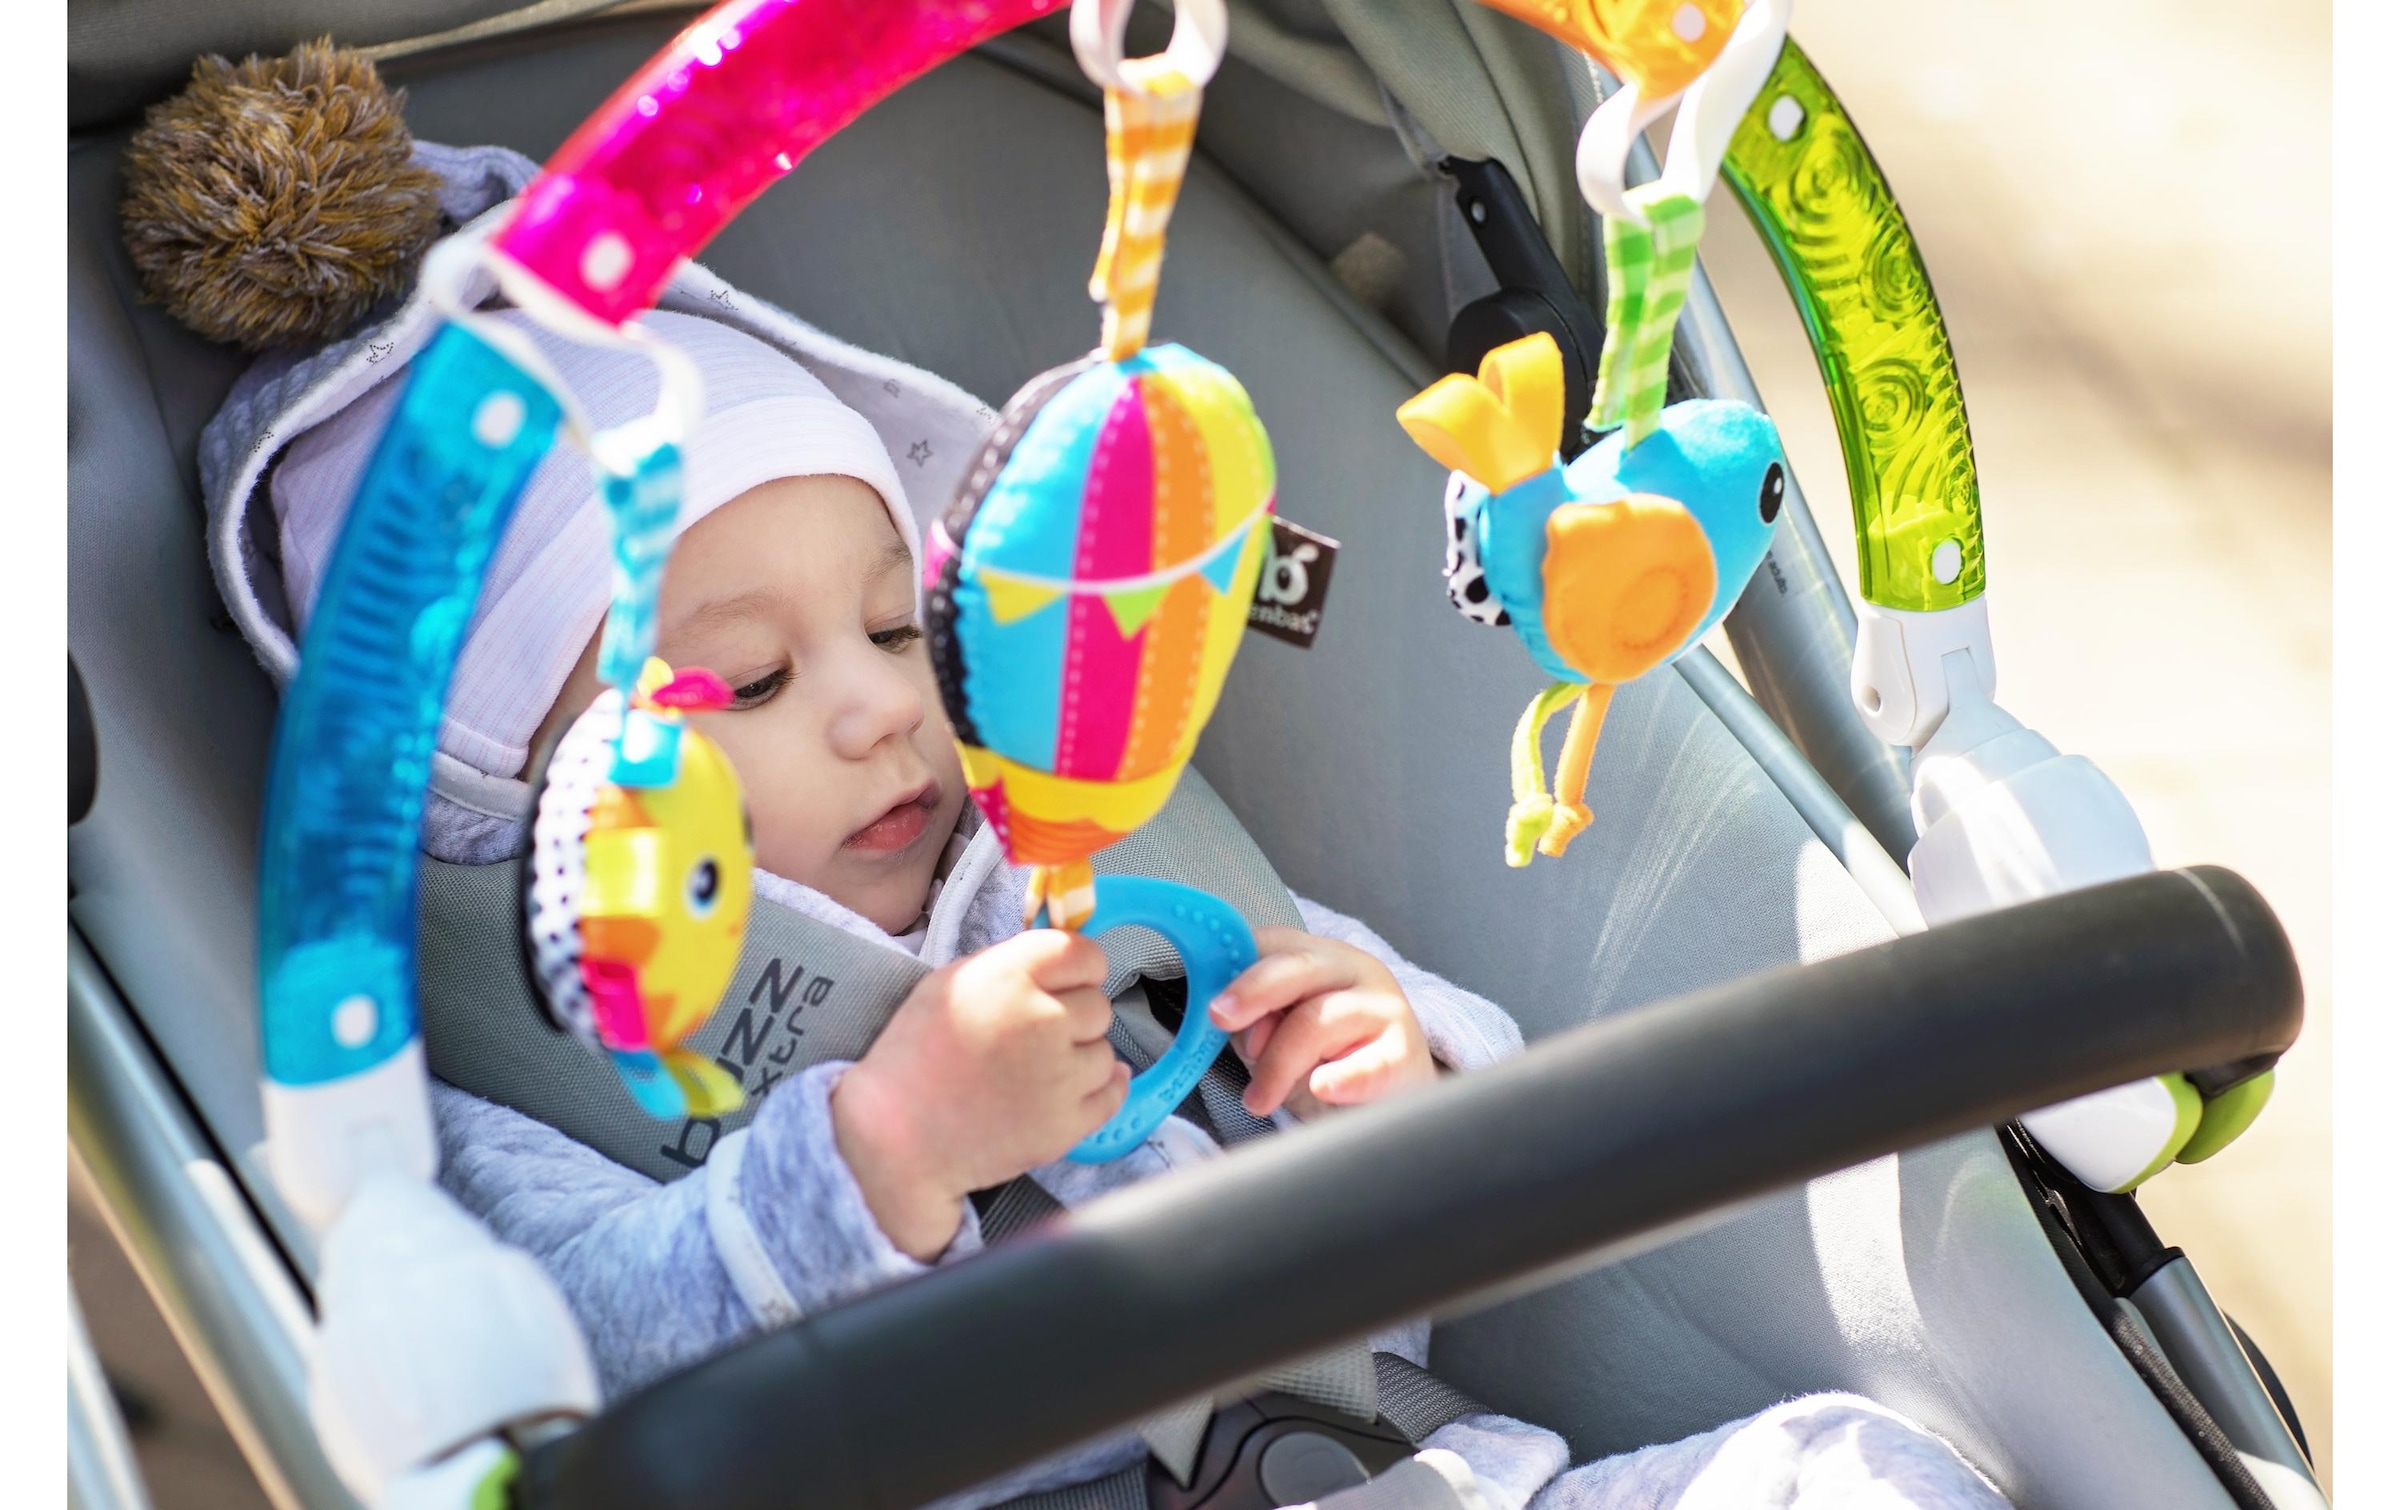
x: 700, y: 887
x: 1770, y: 493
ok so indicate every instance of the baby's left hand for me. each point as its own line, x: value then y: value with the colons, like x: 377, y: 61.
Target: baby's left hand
x: 1320, y: 1024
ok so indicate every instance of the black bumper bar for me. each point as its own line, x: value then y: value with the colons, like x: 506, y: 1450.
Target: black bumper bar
x: 1628, y: 1126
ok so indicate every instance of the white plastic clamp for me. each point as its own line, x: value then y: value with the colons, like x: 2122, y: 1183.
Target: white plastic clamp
x: 433, y: 1335
x: 324, y: 1142
x: 1898, y: 678
x: 1707, y: 111
x: 2002, y: 818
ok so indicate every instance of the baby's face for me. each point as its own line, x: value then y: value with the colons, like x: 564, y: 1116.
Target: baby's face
x: 798, y: 594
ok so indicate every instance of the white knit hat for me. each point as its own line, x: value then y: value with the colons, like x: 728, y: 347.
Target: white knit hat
x: 281, y: 458
x: 547, y: 587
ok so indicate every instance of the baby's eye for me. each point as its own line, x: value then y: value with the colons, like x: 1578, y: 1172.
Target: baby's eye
x: 701, y: 885
x: 897, y: 639
x: 751, y: 694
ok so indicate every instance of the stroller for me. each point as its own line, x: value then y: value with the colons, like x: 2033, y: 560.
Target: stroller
x: 1718, y: 962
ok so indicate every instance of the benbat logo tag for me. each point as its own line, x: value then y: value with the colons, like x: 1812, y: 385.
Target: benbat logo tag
x: 1290, y: 602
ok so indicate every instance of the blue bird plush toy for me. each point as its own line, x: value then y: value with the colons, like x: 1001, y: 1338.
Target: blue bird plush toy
x: 1607, y: 568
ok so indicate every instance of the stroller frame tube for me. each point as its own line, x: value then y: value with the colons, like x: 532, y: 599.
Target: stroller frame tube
x: 1805, y: 788
x: 2205, y: 1354
x: 207, y: 1260
x: 1793, y: 628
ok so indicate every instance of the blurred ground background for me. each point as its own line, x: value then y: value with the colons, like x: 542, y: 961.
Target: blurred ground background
x: 2126, y: 210
x: 188, y: 1460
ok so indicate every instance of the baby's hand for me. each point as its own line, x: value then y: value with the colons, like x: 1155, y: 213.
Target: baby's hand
x: 1320, y: 1024
x: 994, y: 1065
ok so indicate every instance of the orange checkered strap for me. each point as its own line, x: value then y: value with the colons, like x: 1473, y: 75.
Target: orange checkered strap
x: 1150, y: 130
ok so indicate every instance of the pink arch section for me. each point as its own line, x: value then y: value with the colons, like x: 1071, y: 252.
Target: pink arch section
x: 1103, y: 665
x: 732, y: 104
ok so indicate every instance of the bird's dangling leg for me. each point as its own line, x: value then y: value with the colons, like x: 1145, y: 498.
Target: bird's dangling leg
x: 1568, y: 815
x: 1530, y: 816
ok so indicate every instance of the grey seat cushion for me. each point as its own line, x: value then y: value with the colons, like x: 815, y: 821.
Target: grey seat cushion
x: 953, y: 227
x: 163, y: 870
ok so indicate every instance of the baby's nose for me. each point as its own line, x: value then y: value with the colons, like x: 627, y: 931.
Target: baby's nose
x: 881, y: 702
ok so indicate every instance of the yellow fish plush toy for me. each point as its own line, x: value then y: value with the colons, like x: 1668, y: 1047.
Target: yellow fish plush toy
x: 640, y: 887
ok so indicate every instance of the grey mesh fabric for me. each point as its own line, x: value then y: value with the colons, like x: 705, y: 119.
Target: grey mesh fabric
x: 1126, y: 1489
x: 953, y: 227
x: 804, y: 991
x: 1484, y: 86
x: 1343, y: 1379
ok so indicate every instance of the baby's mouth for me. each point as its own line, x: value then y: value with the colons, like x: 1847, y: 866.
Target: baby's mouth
x: 900, y: 825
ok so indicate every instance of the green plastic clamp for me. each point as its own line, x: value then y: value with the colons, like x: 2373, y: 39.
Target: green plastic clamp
x: 496, y: 1490
x: 2226, y: 1117
x: 1804, y: 174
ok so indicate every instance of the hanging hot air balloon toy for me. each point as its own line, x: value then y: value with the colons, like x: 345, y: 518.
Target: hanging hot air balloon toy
x: 1087, y: 589
x: 1619, y: 562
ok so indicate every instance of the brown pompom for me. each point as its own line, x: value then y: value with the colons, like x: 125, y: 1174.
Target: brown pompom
x: 275, y: 201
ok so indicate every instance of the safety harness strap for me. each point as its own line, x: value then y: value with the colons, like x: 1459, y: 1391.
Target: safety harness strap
x: 805, y: 991
x: 1417, y: 1402
x: 1006, y: 1210
x: 1412, y: 1400
x: 1126, y: 1489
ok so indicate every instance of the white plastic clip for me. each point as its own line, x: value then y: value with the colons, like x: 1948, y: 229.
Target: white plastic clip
x: 1712, y: 106
x: 1900, y: 676
x: 682, y: 397
x: 1097, y: 30
x: 452, y: 278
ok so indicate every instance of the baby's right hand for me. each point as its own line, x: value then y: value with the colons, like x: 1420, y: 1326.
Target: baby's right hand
x: 994, y: 1065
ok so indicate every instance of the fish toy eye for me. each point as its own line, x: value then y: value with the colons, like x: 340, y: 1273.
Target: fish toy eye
x: 1770, y: 493
x: 700, y: 887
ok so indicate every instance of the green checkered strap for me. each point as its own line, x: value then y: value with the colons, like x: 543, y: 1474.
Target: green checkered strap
x: 1649, y: 274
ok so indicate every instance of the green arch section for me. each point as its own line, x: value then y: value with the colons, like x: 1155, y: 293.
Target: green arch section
x: 1804, y: 174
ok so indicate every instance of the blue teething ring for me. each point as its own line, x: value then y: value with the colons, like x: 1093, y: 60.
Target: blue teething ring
x: 1216, y: 946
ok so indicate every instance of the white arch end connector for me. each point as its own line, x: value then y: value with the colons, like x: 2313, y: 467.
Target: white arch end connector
x: 432, y: 1336
x: 2002, y: 818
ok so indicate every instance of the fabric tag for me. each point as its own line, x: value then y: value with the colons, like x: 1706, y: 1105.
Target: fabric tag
x: 1292, y: 583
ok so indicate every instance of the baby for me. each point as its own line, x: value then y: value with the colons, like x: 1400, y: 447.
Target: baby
x: 795, y: 580
x: 801, y: 594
